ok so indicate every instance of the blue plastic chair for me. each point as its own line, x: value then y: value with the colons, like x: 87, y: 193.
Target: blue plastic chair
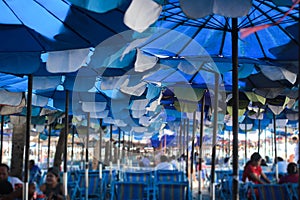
x: 143, y: 176
x: 128, y: 190
x: 294, y: 190
x: 172, y: 190
x: 168, y: 176
x: 270, y: 191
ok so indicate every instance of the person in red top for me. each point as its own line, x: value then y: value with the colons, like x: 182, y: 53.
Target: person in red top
x: 253, y: 171
x: 292, y: 176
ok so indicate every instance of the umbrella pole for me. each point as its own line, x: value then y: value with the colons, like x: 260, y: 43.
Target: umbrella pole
x: 298, y: 75
x: 259, y: 132
x: 2, y: 129
x: 87, y: 158
x: 187, y: 147
x: 214, y: 139
x: 65, y: 176
x: 39, y: 148
x: 180, y: 139
x: 246, y: 142
x: 49, y: 147
x: 200, y: 147
x: 72, y: 150
x: 235, y: 121
x: 27, y: 137
x: 285, y: 142
x: 275, y: 147
x: 193, y: 149
x: 183, y: 143
x: 100, y: 159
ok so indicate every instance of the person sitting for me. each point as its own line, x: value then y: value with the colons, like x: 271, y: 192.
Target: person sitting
x: 17, y: 194
x: 164, y: 164
x: 52, y: 188
x: 281, y: 166
x: 5, y: 187
x: 292, y: 176
x: 4, y: 175
x: 35, y: 172
x: 253, y: 171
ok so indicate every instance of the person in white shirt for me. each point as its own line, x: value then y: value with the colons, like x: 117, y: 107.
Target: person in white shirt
x: 164, y: 164
x: 296, y: 148
x: 282, y: 166
x: 4, y: 175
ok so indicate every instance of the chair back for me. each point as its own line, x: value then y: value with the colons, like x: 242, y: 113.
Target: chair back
x: 168, y: 176
x: 271, y: 191
x: 128, y: 190
x: 145, y: 177
x: 172, y: 190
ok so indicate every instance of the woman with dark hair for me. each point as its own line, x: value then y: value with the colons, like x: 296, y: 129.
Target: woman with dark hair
x: 53, y: 189
x: 292, y: 176
x: 253, y: 171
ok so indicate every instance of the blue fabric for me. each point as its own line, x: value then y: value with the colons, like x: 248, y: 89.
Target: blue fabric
x: 213, y: 33
x: 24, y: 35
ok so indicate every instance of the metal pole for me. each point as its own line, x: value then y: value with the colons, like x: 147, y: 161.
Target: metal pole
x: 49, y: 146
x: 200, y: 146
x: 259, y: 132
x: 72, y: 150
x: 275, y: 146
x: 285, y: 141
x: 100, y: 158
x: 192, y: 152
x: 2, y: 130
x: 65, y: 176
x: 235, y: 108
x: 214, y: 139
x: 27, y: 137
x: 87, y: 158
x: 187, y: 147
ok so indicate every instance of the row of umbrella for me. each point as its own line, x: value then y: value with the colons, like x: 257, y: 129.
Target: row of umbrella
x: 116, y: 68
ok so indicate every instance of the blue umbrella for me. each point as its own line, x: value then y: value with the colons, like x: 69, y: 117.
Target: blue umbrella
x: 219, y: 37
x: 24, y: 35
x: 213, y: 32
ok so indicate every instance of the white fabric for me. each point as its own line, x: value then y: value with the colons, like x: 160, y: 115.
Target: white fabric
x: 99, y: 115
x: 138, y: 113
x: 14, y: 182
x: 136, y: 90
x: 164, y: 166
x: 282, y: 167
x: 67, y: 61
x: 275, y: 73
x: 8, y: 110
x: 147, y: 11
x: 139, y: 104
x: 296, y: 151
x: 110, y: 83
x: 10, y: 98
x: 17, y: 119
x: 228, y: 8
x: 93, y: 106
x: 38, y: 100
x: 43, y: 83
x: 145, y: 121
x: 144, y: 62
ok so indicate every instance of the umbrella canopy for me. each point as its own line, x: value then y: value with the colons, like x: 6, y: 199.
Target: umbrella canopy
x: 28, y: 28
x: 213, y: 32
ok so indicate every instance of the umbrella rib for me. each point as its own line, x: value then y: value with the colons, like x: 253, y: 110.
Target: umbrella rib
x: 192, y: 37
x: 259, y: 41
x: 66, y: 25
x: 225, y: 29
x: 27, y: 28
x: 281, y: 28
x: 279, y: 10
